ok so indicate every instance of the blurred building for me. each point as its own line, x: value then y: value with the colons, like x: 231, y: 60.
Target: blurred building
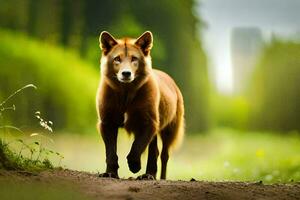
x: 246, y: 43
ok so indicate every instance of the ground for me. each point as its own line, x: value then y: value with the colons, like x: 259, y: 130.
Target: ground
x: 90, y: 186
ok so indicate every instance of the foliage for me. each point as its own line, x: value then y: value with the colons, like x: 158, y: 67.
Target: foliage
x: 274, y: 94
x: 11, y: 160
x: 230, y: 111
x: 14, y: 160
x: 67, y: 85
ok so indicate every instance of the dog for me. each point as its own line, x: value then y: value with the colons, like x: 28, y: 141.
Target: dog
x: 145, y: 101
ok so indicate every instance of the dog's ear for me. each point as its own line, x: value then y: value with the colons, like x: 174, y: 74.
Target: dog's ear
x: 145, y: 42
x: 107, y: 42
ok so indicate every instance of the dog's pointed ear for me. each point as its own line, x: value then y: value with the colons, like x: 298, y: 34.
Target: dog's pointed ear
x: 145, y: 42
x: 107, y: 42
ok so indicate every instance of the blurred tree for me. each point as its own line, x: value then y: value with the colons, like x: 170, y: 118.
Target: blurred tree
x: 275, y: 90
x: 72, y: 23
x: 14, y: 14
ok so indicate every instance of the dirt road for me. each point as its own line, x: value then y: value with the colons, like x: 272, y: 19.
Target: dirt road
x: 102, y: 188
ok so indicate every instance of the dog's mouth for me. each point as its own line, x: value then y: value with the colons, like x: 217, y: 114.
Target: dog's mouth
x: 125, y: 80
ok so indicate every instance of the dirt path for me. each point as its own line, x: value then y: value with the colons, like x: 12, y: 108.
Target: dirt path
x: 102, y: 188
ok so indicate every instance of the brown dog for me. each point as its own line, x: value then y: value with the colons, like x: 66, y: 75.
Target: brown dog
x: 146, y: 102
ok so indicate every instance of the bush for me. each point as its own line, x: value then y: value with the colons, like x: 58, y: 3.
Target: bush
x: 66, y: 84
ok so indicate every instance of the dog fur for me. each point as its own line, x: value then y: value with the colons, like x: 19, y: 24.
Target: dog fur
x: 146, y: 102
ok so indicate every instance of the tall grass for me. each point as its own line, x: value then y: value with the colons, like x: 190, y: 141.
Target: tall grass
x: 14, y: 159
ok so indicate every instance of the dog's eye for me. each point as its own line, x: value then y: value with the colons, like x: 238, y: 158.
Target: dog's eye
x: 117, y: 59
x: 133, y: 58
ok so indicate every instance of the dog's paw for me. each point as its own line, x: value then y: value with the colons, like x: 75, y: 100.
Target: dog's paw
x: 134, y: 166
x: 109, y: 175
x: 145, y: 177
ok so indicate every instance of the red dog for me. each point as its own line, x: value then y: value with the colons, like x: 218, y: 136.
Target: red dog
x: 145, y: 101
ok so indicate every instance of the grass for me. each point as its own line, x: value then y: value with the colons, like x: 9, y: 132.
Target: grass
x: 222, y: 155
x: 14, y: 159
x: 239, y: 156
x: 11, y: 160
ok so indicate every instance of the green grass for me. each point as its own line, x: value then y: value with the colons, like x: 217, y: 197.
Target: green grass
x: 217, y: 156
x: 238, y: 156
x: 12, y: 160
x: 37, y: 152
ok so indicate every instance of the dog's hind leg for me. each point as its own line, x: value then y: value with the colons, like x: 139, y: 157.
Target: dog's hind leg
x: 165, y: 137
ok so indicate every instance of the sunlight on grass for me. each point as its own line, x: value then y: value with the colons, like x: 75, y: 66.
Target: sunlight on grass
x: 217, y: 156
x: 230, y: 155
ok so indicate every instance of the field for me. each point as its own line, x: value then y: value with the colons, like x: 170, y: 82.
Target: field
x: 221, y: 155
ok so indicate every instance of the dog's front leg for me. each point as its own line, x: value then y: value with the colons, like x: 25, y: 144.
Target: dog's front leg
x: 109, y: 133
x: 144, y: 133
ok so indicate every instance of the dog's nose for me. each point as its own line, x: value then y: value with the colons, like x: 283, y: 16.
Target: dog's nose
x: 126, y: 74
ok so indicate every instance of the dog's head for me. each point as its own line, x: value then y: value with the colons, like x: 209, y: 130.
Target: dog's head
x: 125, y: 60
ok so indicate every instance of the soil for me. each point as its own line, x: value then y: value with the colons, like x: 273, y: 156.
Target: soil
x: 106, y: 188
